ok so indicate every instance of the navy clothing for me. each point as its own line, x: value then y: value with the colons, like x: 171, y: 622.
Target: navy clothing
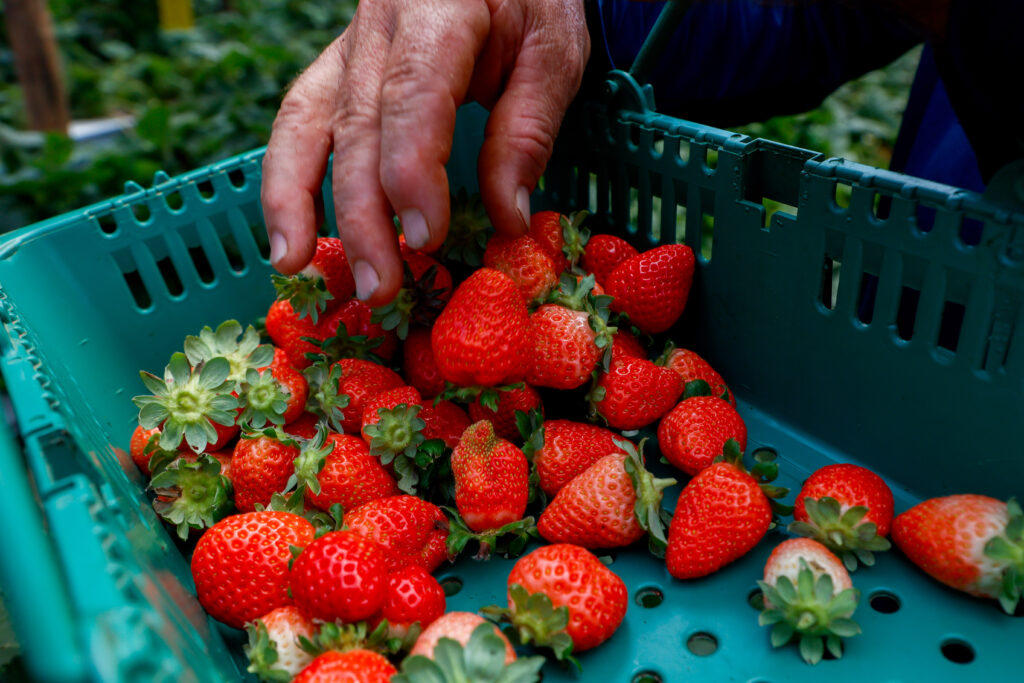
x: 732, y: 62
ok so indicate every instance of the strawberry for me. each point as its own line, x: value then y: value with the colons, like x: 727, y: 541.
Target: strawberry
x: 500, y: 409
x: 444, y: 420
x: 274, y: 651
x: 262, y: 464
x: 625, y: 343
x: 413, y: 597
x: 359, y: 380
x: 722, y: 513
x: 468, y: 230
x: 848, y: 508
x: 611, y: 504
x: 343, y: 472
x: 634, y: 392
x: 411, y: 530
x: 603, y: 253
x: 327, y: 276
x: 565, y: 349
x: 340, y: 575
x: 652, y: 287
x: 567, y: 449
x: 491, y: 478
x: 693, y: 433
x: 460, y: 627
x: 303, y: 426
x: 564, y: 590
x: 290, y: 333
x: 480, y: 338
x: 240, y: 564
x: 468, y: 655
x: 547, y: 228
x: 692, y: 367
x: 353, y: 666
x: 276, y: 394
x: 808, y: 595
x: 350, y: 331
x: 970, y: 542
x: 418, y: 365
x: 379, y: 408
x: 193, y: 406
x: 526, y: 262
x: 142, y: 445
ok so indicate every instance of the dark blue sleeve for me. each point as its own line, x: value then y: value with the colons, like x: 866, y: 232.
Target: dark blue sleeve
x: 732, y: 62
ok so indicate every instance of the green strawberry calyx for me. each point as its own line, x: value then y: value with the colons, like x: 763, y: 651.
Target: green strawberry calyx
x: 261, y: 651
x: 342, y: 637
x: 395, y: 438
x: 418, y: 302
x: 845, y: 533
x: 263, y: 399
x: 509, y: 540
x: 242, y: 353
x: 649, y: 493
x: 324, y: 399
x: 764, y: 472
x: 469, y: 229
x: 188, y: 401
x: 310, y: 460
x: 307, y: 295
x: 1007, y: 549
x: 344, y: 345
x: 533, y: 619
x: 811, y: 611
x: 575, y: 236
x: 192, y: 495
x: 481, y: 660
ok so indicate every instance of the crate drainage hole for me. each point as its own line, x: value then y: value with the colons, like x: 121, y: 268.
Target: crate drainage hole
x: 702, y: 644
x: 451, y: 585
x: 884, y: 602
x: 649, y: 596
x: 957, y: 651
x: 755, y: 598
x: 646, y: 677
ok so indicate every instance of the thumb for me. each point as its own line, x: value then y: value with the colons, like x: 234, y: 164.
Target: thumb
x: 524, y: 122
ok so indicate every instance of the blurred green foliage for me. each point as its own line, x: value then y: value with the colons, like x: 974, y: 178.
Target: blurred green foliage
x: 205, y: 94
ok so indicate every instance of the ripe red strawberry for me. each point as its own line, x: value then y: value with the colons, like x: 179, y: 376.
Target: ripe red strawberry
x: 603, y: 253
x: 568, y: 449
x: 634, y: 392
x: 565, y: 347
x: 240, y: 564
x: 520, y: 399
x: 722, y: 513
x: 140, y: 448
x: 491, y: 478
x: 969, y: 542
x: 652, y: 287
x: 808, y: 595
x: 360, y: 379
x: 613, y: 503
x: 411, y: 530
x: 693, y: 433
x: 340, y: 575
x: 548, y: 229
x: 418, y: 365
x: 353, y: 666
x: 414, y: 596
x: 848, y: 508
x: 349, y: 475
x: 303, y: 426
x: 262, y: 464
x: 458, y: 626
x: 526, y: 262
x: 572, y: 577
x: 692, y: 367
x: 327, y: 276
x: 274, y: 651
x: 386, y: 401
x: 625, y: 343
x: 480, y: 338
x: 288, y: 331
x: 276, y: 394
x: 444, y: 420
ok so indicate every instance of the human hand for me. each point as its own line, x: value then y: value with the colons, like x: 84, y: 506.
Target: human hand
x: 382, y: 98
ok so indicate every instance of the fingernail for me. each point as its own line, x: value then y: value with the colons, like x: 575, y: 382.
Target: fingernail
x: 523, y: 205
x: 367, y: 280
x: 414, y: 227
x: 278, y: 248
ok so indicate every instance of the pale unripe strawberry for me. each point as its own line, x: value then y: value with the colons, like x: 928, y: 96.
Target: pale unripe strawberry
x: 274, y: 642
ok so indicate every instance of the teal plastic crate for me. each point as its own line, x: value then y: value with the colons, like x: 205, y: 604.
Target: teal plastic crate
x: 90, y: 298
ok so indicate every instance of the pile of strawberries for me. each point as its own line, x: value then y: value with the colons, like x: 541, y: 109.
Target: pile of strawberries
x: 328, y: 465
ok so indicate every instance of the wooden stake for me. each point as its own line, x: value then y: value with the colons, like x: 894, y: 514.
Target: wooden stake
x: 30, y: 30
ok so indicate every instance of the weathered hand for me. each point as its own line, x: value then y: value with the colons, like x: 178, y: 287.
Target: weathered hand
x: 382, y: 98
